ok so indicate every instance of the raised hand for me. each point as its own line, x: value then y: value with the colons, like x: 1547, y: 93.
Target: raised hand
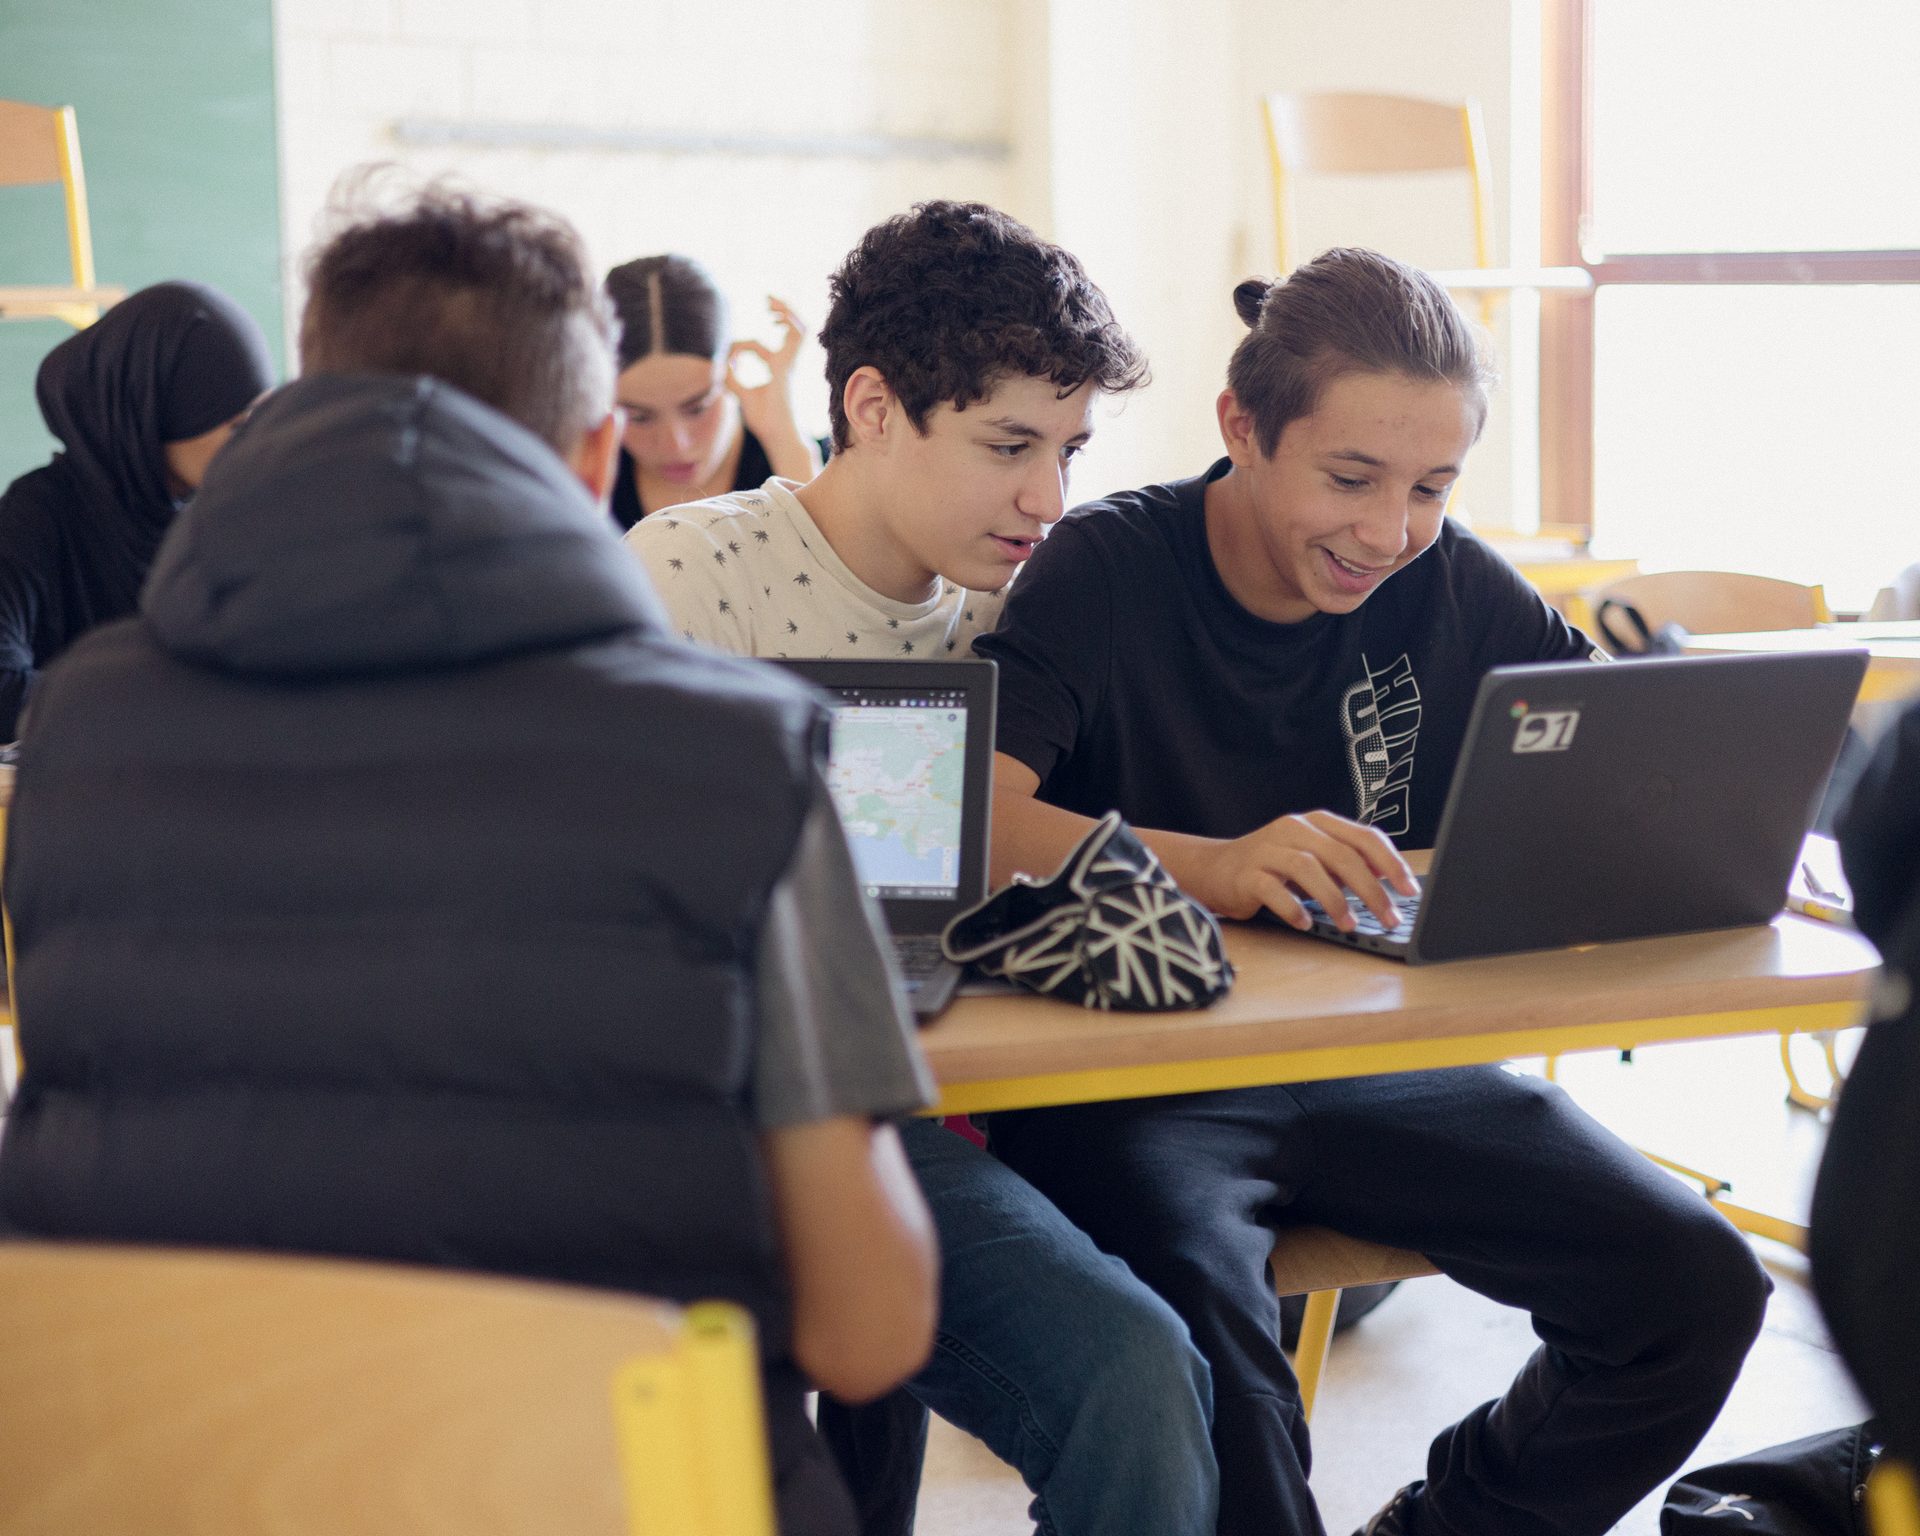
x: 767, y: 408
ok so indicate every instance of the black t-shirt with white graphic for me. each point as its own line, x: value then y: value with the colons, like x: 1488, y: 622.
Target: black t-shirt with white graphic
x: 1131, y: 679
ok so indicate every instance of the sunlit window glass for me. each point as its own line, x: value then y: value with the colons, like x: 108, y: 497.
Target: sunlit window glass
x: 1755, y: 125
x: 1771, y: 430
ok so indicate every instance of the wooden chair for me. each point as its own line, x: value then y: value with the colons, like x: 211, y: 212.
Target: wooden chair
x: 40, y: 146
x: 1348, y: 133
x: 1319, y: 1264
x: 180, y: 1393
x: 1717, y: 602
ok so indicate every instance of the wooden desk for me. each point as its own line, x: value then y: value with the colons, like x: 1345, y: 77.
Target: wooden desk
x: 1305, y: 1009
x: 1893, y: 651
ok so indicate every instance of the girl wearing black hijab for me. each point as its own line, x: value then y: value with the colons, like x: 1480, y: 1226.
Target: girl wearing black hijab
x: 140, y: 401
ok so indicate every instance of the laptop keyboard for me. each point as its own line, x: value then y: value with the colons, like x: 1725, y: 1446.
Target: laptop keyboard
x: 931, y: 979
x: 1365, y: 922
x: 919, y: 955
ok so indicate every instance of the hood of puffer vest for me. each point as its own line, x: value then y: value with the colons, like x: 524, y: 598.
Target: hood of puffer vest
x: 361, y: 524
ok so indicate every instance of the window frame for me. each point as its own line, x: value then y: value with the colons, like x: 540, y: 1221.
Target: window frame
x: 1567, y: 314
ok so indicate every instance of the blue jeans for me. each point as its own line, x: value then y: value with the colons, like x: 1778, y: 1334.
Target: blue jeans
x: 1053, y: 1354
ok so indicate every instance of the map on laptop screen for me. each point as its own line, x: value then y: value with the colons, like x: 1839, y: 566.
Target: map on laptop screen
x: 896, y: 770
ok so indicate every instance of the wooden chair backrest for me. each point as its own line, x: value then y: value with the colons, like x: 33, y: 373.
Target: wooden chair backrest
x: 183, y: 1393
x: 1348, y: 133
x: 1717, y: 602
x: 29, y: 144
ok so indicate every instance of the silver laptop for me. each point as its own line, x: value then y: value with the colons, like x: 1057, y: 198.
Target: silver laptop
x: 1622, y: 801
x: 911, y: 770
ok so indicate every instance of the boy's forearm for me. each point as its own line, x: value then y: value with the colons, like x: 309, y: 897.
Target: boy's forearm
x: 1030, y: 837
x: 1033, y: 838
x: 861, y: 1254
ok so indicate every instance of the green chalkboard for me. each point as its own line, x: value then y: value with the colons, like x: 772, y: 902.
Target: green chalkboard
x: 175, y: 105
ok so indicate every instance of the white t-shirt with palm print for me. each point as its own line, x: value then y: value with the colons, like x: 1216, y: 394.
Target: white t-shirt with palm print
x: 751, y: 573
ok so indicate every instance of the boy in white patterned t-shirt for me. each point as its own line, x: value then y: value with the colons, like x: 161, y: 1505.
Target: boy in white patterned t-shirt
x: 964, y: 356
x: 752, y: 573
x: 958, y: 398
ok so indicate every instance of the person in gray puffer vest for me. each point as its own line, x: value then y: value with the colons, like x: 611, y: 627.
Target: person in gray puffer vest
x: 393, y: 886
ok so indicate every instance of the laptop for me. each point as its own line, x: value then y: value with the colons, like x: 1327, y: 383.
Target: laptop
x: 1621, y: 801
x: 910, y: 766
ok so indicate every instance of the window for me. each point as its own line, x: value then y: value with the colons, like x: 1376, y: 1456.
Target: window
x: 1738, y: 177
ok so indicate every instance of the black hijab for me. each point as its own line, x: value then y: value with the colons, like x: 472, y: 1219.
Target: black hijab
x: 166, y: 364
x: 76, y: 538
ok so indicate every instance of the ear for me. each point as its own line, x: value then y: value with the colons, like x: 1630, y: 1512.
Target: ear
x: 1237, y: 431
x: 870, y: 404
x: 594, y: 457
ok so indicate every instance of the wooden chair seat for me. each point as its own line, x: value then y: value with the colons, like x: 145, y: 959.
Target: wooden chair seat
x: 77, y: 306
x: 1319, y: 1264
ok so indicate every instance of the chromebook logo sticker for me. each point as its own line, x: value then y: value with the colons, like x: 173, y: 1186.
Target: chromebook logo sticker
x: 1543, y: 730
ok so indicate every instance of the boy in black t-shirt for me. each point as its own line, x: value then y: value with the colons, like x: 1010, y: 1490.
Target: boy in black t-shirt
x: 1268, y: 669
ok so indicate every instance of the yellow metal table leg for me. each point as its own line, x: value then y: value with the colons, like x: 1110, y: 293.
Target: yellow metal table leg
x: 1316, y: 1339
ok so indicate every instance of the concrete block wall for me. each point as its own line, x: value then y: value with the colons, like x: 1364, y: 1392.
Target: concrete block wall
x: 1132, y: 128
x: 350, y: 71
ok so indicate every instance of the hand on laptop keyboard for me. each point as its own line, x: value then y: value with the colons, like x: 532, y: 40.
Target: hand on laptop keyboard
x: 1318, y: 855
x: 1407, y: 907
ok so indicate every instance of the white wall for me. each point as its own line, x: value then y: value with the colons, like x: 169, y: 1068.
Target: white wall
x: 1132, y: 128
x: 1143, y: 176
x: 351, y: 69
x: 1160, y: 184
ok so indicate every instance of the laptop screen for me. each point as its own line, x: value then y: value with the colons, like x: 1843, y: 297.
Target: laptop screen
x: 896, y: 768
x: 910, y: 767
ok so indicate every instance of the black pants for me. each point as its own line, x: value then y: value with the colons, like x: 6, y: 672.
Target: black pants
x: 808, y: 1496
x: 1645, y: 1299
x: 879, y: 1448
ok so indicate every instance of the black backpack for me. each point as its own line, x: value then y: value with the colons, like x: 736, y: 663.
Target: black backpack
x: 1639, y: 639
x: 1810, y: 1487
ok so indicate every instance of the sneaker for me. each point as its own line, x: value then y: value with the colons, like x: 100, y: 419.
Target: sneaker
x: 1396, y: 1518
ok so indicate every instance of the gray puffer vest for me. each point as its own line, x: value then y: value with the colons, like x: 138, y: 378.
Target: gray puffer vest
x: 390, y: 887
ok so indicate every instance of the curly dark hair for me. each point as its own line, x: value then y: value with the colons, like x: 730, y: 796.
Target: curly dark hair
x: 495, y: 297
x: 952, y: 298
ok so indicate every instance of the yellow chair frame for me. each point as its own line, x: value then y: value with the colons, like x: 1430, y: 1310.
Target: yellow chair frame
x: 40, y: 146
x: 1893, y: 1500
